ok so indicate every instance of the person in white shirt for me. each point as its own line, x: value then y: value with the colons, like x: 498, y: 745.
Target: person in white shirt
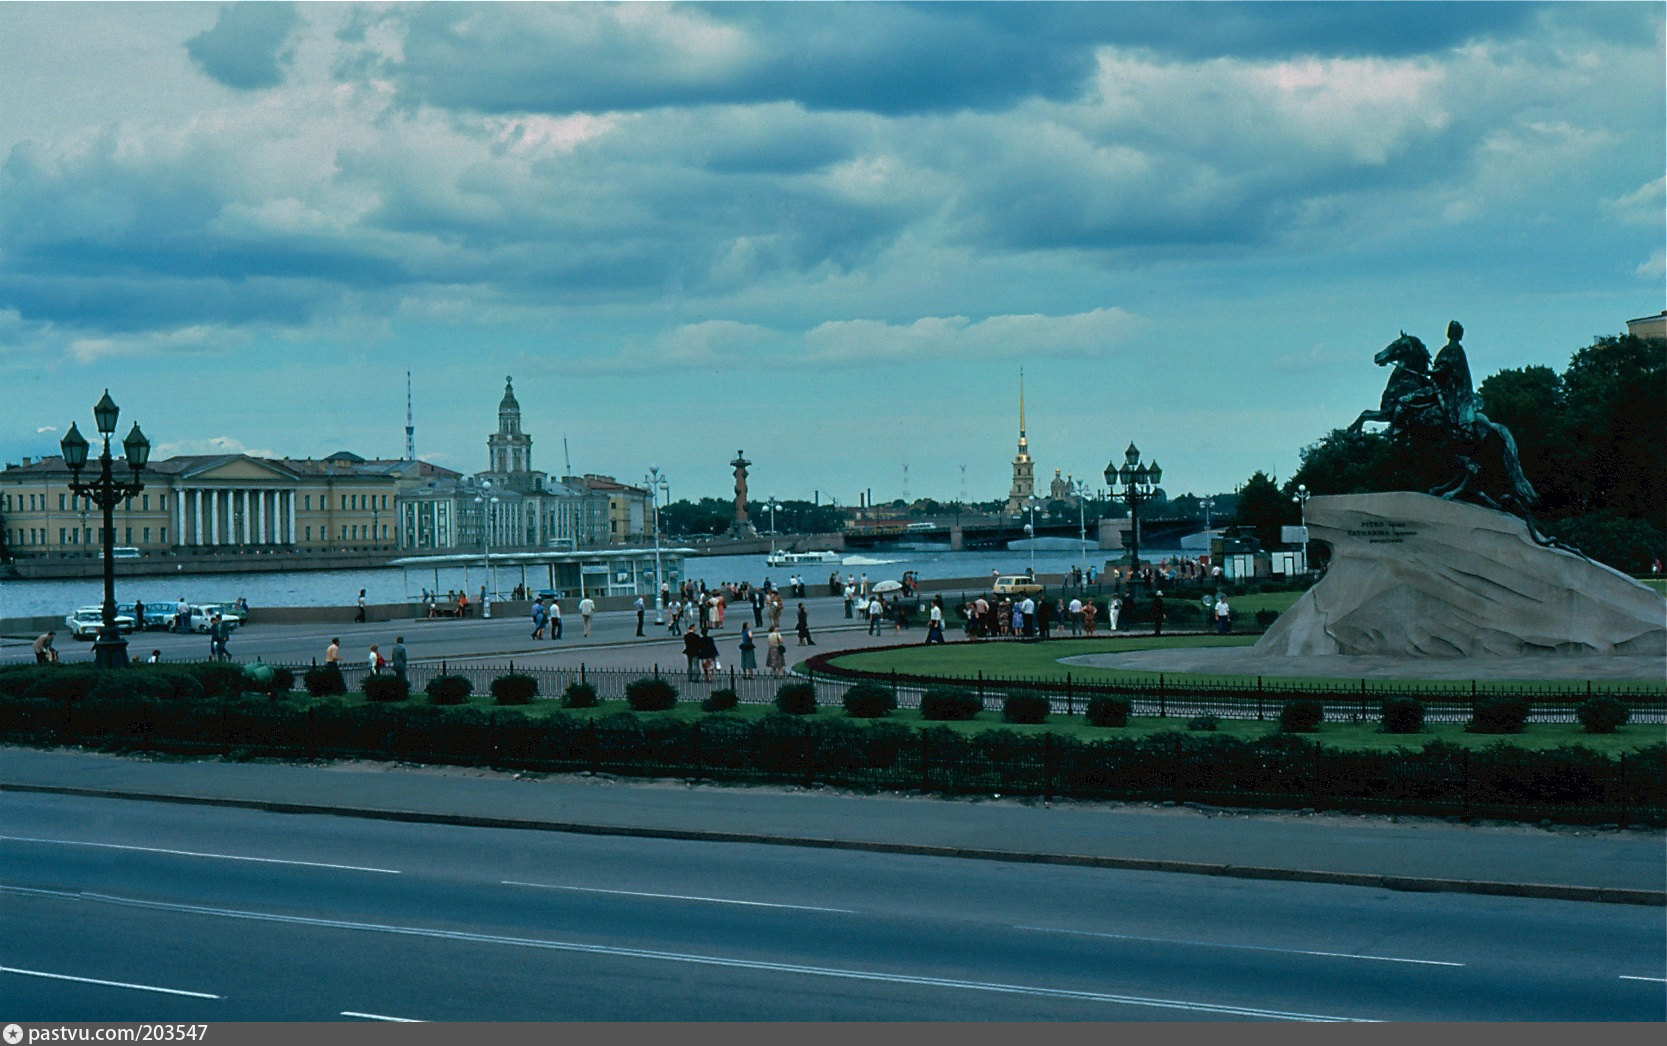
x: 1224, y: 620
x: 1075, y: 610
x: 587, y: 607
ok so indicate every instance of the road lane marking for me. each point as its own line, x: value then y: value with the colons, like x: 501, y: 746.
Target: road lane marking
x: 380, y: 1017
x: 1240, y: 947
x: 681, y: 897
x: 1037, y: 991
x: 1652, y: 980
x: 112, y: 984
x: 195, y: 853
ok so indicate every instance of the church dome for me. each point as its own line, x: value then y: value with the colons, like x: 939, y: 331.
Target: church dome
x: 508, y: 402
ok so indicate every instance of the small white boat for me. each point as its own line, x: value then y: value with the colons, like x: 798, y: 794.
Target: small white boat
x: 794, y: 559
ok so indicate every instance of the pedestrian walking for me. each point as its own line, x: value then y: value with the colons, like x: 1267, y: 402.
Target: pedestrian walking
x: 757, y: 600
x: 691, y: 650
x: 332, y: 662
x: 587, y: 609
x: 1157, y: 613
x: 934, y: 621
x: 1114, y: 608
x: 1224, y: 616
x: 359, y: 617
x: 44, y: 652
x: 538, y: 619
x: 775, y: 657
x: 552, y: 617
x: 638, y: 605
x: 399, y: 660
x: 708, y: 657
x: 804, y: 627
x: 374, y: 661
x: 749, y: 659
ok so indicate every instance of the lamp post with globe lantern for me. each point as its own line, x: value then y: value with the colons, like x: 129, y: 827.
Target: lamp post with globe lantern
x: 107, y: 491
x: 1140, y: 484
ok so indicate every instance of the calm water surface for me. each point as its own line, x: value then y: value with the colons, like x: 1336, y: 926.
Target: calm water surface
x: 393, y: 585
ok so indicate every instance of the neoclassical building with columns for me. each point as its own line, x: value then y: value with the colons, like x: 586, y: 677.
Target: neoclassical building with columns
x: 217, y: 503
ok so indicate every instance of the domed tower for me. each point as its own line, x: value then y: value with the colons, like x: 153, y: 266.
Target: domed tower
x: 509, y: 450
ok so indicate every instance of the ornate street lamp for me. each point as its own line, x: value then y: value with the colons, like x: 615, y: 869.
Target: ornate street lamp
x: 1140, y: 484
x: 1030, y: 531
x: 486, y: 501
x: 656, y: 482
x: 1301, y: 499
x: 106, y: 491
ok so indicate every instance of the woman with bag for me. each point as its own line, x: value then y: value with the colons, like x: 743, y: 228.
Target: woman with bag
x: 749, y: 660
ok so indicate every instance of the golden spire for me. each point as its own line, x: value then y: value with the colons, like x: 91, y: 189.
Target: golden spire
x: 1022, y: 441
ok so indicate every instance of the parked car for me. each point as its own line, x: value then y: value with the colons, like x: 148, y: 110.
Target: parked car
x: 159, y: 617
x: 1016, y: 585
x: 202, y: 615
x: 84, y: 622
x: 228, y: 611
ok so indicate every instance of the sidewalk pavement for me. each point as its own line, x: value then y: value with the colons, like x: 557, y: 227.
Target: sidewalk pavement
x: 1374, y: 851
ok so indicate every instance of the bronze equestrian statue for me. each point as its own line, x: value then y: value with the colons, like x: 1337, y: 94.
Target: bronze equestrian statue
x: 1434, y: 409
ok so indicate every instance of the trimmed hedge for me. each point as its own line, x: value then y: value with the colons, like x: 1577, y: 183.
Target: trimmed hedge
x: 514, y: 689
x: 1203, y: 722
x: 869, y: 701
x: 1107, y: 711
x: 950, y: 704
x: 386, y: 688
x: 448, y: 690
x: 650, y: 694
x: 796, y: 699
x: 1024, y: 708
x: 1301, y: 717
x: 1499, y: 715
x: 1403, y: 715
x: 325, y: 681
x: 722, y: 700
x: 1571, y: 783
x: 1602, y: 715
x: 579, y: 695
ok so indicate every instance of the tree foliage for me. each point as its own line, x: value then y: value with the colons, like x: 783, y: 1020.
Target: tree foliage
x: 1591, y: 440
x: 1263, y: 508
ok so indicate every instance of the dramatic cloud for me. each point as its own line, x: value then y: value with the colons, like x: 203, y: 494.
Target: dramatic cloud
x: 245, y: 49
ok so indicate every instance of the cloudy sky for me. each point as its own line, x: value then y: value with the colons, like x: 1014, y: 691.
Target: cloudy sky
x: 828, y: 234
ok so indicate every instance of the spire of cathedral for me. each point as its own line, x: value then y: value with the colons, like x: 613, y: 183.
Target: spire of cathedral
x: 1024, y: 483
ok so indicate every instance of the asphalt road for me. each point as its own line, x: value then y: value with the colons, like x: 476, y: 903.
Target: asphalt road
x: 124, y: 910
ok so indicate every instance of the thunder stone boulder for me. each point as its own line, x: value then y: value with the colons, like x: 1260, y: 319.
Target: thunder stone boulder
x: 1415, y: 576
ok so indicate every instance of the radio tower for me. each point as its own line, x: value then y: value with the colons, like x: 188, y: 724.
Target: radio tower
x: 905, y: 483
x: 410, y: 429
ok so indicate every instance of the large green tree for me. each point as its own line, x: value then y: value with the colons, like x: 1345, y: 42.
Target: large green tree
x: 1264, y: 509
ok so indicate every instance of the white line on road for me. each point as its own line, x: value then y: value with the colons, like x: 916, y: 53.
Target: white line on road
x: 112, y: 984
x: 681, y: 897
x: 194, y: 853
x: 1240, y: 947
x: 380, y: 1017
x: 700, y: 960
x: 1652, y: 980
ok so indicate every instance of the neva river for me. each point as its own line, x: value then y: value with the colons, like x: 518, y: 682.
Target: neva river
x: 312, y: 588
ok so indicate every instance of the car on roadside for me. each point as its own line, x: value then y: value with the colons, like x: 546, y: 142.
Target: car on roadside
x: 1015, y: 585
x: 84, y: 622
x: 228, y: 611
x: 159, y: 617
x: 202, y: 616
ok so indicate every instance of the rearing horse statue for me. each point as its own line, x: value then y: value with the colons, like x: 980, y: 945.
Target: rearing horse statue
x: 1436, y: 410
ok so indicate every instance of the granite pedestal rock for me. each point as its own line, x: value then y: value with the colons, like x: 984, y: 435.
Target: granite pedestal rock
x: 1415, y: 576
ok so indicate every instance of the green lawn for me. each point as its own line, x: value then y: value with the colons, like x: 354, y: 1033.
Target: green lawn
x: 1040, y: 662
x: 1362, y: 736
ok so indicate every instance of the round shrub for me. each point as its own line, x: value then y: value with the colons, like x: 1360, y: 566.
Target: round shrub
x: 1301, y: 717
x: 650, y: 695
x: 1403, y: 715
x: 514, y: 689
x: 1603, y: 714
x: 448, y: 690
x: 176, y: 683
x: 386, y: 688
x: 283, y: 681
x: 720, y: 701
x: 323, y: 682
x: 1024, y: 708
x: 1203, y: 722
x: 1266, y: 618
x: 948, y: 705
x: 1108, y: 711
x: 579, y: 695
x: 869, y: 701
x: 796, y: 699
x: 1499, y: 715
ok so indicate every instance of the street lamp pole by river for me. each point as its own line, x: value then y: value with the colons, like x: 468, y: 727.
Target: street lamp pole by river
x: 656, y: 483
x: 106, y: 491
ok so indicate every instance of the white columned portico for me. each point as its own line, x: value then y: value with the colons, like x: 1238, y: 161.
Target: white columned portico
x: 214, y: 517
x: 260, y: 517
x: 243, y: 496
x: 197, y: 531
x: 290, y: 497
x: 179, y: 517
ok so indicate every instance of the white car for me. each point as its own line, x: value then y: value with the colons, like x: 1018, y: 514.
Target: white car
x: 85, y: 622
x: 202, y: 615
